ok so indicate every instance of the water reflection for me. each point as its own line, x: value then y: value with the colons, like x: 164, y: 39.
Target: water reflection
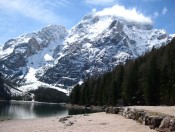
x: 49, y: 109
x: 28, y: 110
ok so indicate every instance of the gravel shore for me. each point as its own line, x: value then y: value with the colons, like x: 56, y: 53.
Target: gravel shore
x: 96, y: 122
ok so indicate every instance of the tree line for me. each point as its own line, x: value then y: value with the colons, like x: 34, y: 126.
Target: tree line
x: 147, y: 80
x: 44, y: 94
x: 5, y: 94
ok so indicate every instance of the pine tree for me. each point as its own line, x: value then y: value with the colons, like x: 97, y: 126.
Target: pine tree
x: 130, y: 85
x: 75, y: 95
x: 152, y: 82
x: 2, y: 92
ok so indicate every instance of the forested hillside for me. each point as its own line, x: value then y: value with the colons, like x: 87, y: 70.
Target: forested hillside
x: 147, y: 80
x: 4, y: 93
x: 44, y: 94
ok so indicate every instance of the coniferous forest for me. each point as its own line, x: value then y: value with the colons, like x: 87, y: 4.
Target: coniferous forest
x: 147, y: 80
x: 44, y: 94
x: 4, y: 93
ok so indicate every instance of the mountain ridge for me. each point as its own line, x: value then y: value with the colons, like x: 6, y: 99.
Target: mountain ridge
x: 100, y: 43
x: 63, y: 58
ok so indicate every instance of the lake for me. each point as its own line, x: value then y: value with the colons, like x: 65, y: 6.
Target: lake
x: 28, y: 110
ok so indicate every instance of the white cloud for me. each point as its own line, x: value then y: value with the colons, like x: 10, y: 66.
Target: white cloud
x: 41, y: 10
x: 164, y: 10
x: 100, y: 2
x: 156, y: 14
x: 128, y: 14
x: 94, y: 10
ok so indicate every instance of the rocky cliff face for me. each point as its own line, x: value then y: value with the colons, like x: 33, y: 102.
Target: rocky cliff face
x: 22, y: 57
x: 63, y: 58
x: 97, y: 44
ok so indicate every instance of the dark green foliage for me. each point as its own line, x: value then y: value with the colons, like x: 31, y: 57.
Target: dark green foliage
x: 130, y: 85
x: 43, y: 94
x: 75, y: 96
x: 147, y: 80
x: 4, y: 92
x: 1, y: 87
x: 17, y: 97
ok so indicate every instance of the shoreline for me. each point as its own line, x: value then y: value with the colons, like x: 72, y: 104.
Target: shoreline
x: 100, y: 122
x: 92, y: 122
x: 90, y: 107
x: 159, y: 118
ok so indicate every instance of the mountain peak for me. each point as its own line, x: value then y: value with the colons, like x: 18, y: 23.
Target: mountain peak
x: 99, y: 42
x: 120, y: 12
x: 44, y: 36
x: 56, y: 31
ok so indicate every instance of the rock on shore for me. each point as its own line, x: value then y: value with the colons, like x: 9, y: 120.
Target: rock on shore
x: 158, y: 121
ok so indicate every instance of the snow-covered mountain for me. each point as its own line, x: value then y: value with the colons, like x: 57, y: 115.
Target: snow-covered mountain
x: 26, y: 56
x: 63, y: 58
x: 98, y: 43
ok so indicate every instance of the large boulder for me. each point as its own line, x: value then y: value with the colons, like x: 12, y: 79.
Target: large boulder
x: 112, y: 110
x: 165, y: 123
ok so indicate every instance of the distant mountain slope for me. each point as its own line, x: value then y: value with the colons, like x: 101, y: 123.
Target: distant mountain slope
x: 60, y: 58
x: 98, y: 43
x: 23, y: 58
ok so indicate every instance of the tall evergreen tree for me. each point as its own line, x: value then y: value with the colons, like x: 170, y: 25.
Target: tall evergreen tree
x: 2, y: 92
x: 75, y: 95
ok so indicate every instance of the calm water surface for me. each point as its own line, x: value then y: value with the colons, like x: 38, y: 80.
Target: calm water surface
x: 28, y: 110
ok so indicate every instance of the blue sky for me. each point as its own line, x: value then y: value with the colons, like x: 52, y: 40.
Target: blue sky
x: 23, y: 16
